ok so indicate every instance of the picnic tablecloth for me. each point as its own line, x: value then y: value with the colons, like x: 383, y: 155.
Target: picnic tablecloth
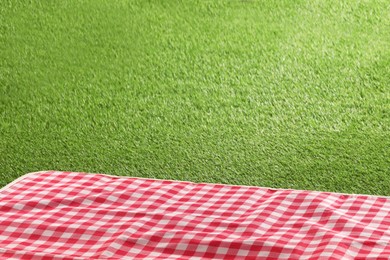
x: 70, y: 215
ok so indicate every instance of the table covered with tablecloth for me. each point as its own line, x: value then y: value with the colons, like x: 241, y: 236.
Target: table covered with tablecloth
x: 70, y: 215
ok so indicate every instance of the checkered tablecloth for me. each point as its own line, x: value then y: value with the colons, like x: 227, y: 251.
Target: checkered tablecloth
x: 69, y: 215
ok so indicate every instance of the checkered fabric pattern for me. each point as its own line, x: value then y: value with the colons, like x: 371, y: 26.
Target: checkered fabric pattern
x: 68, y: 215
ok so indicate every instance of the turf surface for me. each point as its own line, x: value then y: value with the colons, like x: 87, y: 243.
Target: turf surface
x: 287, y: 94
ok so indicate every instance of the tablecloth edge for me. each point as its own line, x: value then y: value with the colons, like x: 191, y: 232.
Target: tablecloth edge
x: 9, y: 185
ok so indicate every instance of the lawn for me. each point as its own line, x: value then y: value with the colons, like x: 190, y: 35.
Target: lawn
x: 283, y: 94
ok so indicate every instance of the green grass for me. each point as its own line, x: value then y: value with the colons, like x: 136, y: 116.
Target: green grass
x: 285, y: 94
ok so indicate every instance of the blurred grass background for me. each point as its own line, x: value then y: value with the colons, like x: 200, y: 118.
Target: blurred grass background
x: 284, y: 94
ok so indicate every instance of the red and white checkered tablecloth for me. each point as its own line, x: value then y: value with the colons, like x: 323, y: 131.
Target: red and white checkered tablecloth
x: 69, y: 215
